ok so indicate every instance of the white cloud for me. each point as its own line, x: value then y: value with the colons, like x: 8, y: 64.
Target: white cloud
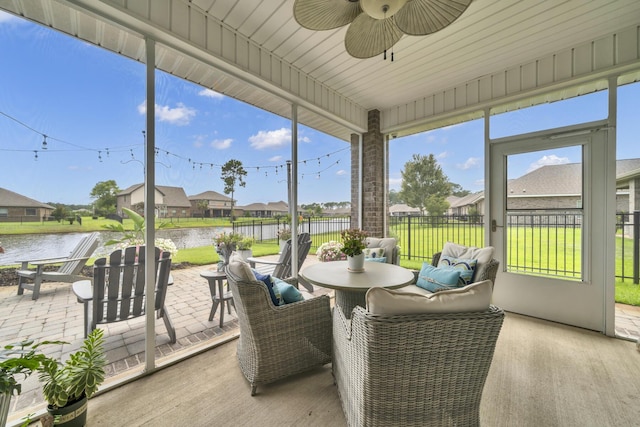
x: 547, y: 160
x: 275, y: 158
x: 341, y: 172
x: 7, y: 18
x: 208, y: 93
x: 395, y: 182
x: 303, y: 139
x: 271, y: 139
x: 221, y: 144
x: 479, y: 182
x: 181, y: 115
x: 443, y: 155
x: 471, y: 162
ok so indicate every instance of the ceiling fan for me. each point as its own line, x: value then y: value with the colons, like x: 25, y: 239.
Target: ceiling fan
x: 376, y: 25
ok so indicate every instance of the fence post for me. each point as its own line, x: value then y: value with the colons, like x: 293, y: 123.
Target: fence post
x: 408, y: 236
x: 636, y: 247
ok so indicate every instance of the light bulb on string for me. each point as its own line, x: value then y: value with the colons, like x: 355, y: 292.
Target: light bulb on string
x: 107, y: 150
x: 44, y: 142
x: 100, y: 156
x: 36, y: 154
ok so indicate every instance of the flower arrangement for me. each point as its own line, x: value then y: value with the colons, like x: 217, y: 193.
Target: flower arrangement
x: 226, y: 241
x: 330, y: 251
x: 353, y: 241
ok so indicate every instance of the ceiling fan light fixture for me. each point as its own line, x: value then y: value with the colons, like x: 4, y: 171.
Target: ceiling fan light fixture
x: 381, y: 9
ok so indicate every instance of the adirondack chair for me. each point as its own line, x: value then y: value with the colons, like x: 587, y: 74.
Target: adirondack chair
x: 68, y: 272
x: 118, y: 290
x: 282, y: 267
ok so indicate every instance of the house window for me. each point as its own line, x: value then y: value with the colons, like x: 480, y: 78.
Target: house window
x: 4, y: 212
x: 30, y: 212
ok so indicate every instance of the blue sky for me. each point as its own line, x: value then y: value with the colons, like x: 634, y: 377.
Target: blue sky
x: 90, y: 104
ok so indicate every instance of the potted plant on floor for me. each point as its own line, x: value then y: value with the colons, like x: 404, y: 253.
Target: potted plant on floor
x: 244, y: 247
x: 17, y: 362
x: 66, y: 387
x: 353, y: 242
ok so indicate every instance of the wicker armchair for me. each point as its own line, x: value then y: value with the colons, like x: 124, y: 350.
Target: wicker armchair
x: 278, y: 341
x: 413, y: 370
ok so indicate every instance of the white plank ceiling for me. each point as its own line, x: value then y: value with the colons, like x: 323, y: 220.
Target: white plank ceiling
x: 506, y: 53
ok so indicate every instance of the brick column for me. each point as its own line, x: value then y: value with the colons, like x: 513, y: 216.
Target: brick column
x: 373, y: 178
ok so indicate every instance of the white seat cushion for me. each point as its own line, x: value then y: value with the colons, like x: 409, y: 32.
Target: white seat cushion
x: 473, y: 297
x: 388, y: 244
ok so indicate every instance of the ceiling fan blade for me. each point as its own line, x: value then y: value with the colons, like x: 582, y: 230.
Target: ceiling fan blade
x: 422, y: 17
x: 367, y: 37
x: 325, y: 14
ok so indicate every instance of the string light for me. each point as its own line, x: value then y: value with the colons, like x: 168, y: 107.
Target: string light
x: 108, y: 151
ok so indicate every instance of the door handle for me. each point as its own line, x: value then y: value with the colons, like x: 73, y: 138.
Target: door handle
x: 494, y: 225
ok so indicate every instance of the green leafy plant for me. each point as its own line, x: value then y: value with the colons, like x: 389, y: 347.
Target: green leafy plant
x: 245, y: 243
x: 135, y: 237
x: 78, y: 377
x: 353, y: 241
x: 18, y: 361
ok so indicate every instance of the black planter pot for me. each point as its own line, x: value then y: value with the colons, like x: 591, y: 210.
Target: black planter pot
x: 73, y: 415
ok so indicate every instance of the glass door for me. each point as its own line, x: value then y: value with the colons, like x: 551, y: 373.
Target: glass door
x: 549, y: 225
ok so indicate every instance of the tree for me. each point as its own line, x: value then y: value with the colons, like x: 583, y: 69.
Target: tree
x: 105, y: 194
x: 203, y: 205
x: 458, y: 191
x: 394, y: 197
x: 60, y: 213
x: 233, y: 175
x: 424, y: 185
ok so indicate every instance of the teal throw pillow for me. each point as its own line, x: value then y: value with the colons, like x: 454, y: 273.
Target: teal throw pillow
x: 467, y: 268
x: 434, y: 279
x: 288, y: 292
x: 274, y: 293
x: 382, y: 259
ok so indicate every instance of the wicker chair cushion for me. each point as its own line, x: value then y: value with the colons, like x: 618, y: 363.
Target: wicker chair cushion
x: 474, y: 297
x: 240, y: 268
x: 482, y: 255
x: 386, y: 243
x: 433, y: 278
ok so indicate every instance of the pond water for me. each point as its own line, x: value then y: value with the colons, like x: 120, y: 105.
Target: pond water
x: 42, y: 246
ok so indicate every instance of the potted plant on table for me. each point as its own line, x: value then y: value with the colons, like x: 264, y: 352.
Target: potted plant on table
x: 225, y: 243
x: 353, y: 242
x: 17, y: 362
x: 66, y: 387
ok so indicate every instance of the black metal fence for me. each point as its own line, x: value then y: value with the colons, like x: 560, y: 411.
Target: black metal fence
x: 548, y: 243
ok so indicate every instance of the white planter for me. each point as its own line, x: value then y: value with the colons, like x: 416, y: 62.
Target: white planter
x: 355, y: 263
x: 245, y: 253
x: 282, y: 245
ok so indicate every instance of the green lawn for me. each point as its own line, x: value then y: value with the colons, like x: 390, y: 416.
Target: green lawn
x: 89, y: 224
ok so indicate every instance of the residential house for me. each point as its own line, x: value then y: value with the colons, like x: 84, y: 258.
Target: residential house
x: 171, y: 202
x: 15, y: 207
x: 218, y: 205
x: 264, y: 210
x: 556, y: 187
x: 402, y: 209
